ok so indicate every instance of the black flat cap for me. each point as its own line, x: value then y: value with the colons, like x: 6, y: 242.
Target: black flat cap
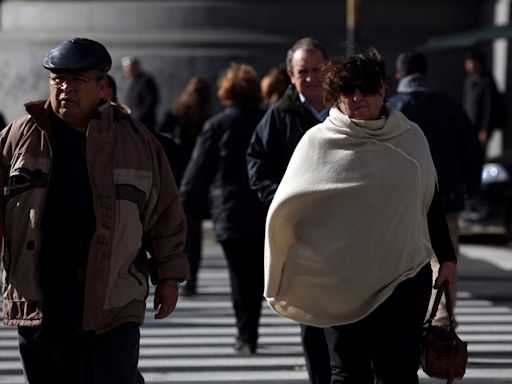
x: 78, y: 54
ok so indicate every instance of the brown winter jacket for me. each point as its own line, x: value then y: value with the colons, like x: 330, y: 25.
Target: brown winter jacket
x: 133, y: 193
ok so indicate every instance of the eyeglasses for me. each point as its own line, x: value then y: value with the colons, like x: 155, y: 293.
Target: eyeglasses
x: 75, y: 81
x: 365, y: 89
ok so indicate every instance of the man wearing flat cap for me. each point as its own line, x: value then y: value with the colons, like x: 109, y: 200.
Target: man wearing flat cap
x: 83, y: 184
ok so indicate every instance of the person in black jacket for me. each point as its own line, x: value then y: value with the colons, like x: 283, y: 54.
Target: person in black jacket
x: 453, y: 139
x: 2, y: 122
x: 271, y: 148
x: 218, y: 169
x: 481, y: 99
x: 182, y: 124
x: 142, y: 95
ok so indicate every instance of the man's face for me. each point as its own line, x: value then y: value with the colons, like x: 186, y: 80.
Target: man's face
x: 75, y: 96
x: 472, y: 67
x: 130, y: 69
x: 307, y: 74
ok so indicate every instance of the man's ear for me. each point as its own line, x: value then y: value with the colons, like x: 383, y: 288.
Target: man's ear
x: 382, y: 91
x: 397, y: 76
x: 290, y: 74
x: 102, y: 84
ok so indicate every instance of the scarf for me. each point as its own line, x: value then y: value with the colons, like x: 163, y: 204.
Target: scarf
x: 348, y: 222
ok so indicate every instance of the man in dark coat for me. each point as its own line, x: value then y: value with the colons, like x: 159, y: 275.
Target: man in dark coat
x: 481, y: 99
x: 453, y: 139
x: 271, y: 148
x: 142, y: 94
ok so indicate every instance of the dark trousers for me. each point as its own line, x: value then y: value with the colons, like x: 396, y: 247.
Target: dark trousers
x: 244, y: 256
x: 384, y: 347
x: 193, y: 246
x: 61, y: 355
x: 316, y: 353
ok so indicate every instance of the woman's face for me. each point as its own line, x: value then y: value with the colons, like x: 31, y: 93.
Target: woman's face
x: 360, y: 104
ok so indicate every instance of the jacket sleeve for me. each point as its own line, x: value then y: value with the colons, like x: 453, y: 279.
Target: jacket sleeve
x: 438, y: 230
x: 264, y: 156
x: 9, y: 137
x: 4, y: 170
x: 199, y: 172
x: 165, y: 223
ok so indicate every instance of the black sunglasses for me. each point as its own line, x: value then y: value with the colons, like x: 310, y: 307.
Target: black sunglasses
x: 349, y: 89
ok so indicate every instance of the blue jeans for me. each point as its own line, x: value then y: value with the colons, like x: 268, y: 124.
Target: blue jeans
x: 384, y: 347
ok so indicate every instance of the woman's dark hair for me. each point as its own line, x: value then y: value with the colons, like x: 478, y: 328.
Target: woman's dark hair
x: 194, y: 106
x: 274, y: 84
x: 239, y: 86
x: 367, y: 70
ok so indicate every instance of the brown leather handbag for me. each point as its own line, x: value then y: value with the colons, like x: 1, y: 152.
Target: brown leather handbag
x: 443, y: 354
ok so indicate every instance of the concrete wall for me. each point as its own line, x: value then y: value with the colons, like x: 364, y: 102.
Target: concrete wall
x: 178, y: 39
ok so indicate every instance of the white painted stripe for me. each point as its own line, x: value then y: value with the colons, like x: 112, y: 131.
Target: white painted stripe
x: 275, y: 350
x: 211, y: 331
x: 489, y: 319
x: 226, y: 376
x: 12, y: 379
x: 489, y: 347
x: 491, y: 361
x: 500, y: 257
x: 485, y: 338
x: 9, y: 343
x: 222, y: 320
x: 484, y: 328
x: 9, y: 354
x: 484, y: 310
x: 10, y: 365
x: 215, y: 362
x: 464, y: 295
x: 213, y: 340
x: 473, y: 303
x: 488, y: 373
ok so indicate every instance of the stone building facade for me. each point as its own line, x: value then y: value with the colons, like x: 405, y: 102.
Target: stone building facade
x: 176, y: 39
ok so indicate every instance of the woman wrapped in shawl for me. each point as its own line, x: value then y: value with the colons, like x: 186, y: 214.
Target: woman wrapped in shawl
x: 352, y: 228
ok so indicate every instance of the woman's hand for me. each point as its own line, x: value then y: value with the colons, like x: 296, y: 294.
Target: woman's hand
x: 447, y: 272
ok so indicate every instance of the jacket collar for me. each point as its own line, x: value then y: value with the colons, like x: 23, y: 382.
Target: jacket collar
x: 416, y: 83
x: 41, y: 110
x: 291, y: 101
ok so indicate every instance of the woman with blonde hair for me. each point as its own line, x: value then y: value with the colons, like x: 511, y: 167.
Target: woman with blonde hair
x: 218, y: 169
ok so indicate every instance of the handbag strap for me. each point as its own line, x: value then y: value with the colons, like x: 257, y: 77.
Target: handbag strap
x: 444, y: 288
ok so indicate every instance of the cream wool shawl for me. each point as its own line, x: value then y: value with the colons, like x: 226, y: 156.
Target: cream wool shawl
x: 349, y: 219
